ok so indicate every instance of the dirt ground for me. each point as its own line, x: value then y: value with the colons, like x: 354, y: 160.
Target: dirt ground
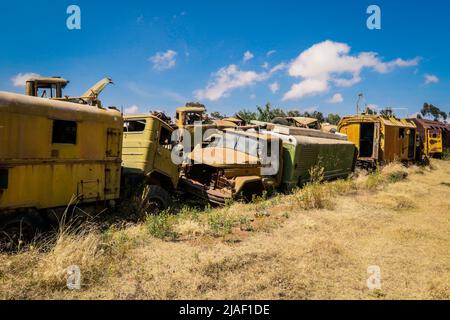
x: 403, y: 228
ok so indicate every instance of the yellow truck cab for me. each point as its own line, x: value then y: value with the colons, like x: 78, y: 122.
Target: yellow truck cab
x: 147, y: 149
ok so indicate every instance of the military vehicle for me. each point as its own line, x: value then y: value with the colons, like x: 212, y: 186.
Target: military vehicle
x: 305, y: 149
x: 232, y: 166
x: 380, y: 139
x: 431, y: 136
x: 54, y: 150
x: 146, y: 155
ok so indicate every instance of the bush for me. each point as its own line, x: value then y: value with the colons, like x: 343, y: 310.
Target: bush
x: 314, y: 196
x: 220, y: 223
x: 162, y: 226
x: 374, y: 180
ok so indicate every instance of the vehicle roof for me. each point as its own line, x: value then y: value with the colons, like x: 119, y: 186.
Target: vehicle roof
x: 223, y: 158
x: 23, y: 104
x: 225, y: 123
x: 430, y: 124
x: 62, y: 81
x: 191, y: 109
x: 252, y: 134
x: 145, y: 116
x: 388, y: 121
x: 232, y: 119
x: 304, y: 120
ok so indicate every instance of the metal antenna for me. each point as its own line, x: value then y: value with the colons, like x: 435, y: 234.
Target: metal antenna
x: 360, y: 97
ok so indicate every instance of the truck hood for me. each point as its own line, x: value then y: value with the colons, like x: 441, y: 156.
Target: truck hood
x: 223, y: 158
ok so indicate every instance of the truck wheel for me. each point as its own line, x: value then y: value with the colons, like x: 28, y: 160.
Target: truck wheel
x: 157, y: 199
x: 251, y: 190
x: 19, y: 229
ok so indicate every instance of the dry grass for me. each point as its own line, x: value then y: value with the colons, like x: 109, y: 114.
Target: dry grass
x: 315, y: 243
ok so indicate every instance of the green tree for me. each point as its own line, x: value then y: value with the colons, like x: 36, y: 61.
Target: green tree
x: 217, y: 115
x: 267, y: 113
x: 294, y: 113
x: 333, y: 118
x: 431, y: 111
x: 247, y: 115
x: 195, y: 105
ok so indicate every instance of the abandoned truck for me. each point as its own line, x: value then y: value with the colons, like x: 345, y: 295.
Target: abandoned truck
x: 52, y: 151
x: 146, y: 156
x: 305, y: 149
x: 232, y: 165
x: 380, y: 139
x: 431, y: 136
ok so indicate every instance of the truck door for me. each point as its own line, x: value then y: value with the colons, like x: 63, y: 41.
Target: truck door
x: 163, y: 157
x: 411, y: 144
x: 434, y: 141
x: 376, y: 140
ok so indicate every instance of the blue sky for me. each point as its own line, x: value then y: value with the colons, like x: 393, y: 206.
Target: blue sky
x: 300, y: 54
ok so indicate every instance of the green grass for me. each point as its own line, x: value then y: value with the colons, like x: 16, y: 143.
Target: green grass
x: 162, y: 226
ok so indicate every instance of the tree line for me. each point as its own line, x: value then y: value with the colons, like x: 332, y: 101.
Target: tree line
x: 267, y: 113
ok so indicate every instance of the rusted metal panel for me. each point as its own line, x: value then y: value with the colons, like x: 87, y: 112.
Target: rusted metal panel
x: 432, y: 135
x: 392, y: 138
x: 48, y: 163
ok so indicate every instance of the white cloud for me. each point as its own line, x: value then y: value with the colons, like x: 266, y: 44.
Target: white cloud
x: 265, y: 65
x: 163, y: 60
x: 337, y: 98
x: 248, y: 56
x: 271, y: 52
x: 20, y: 79
x: 278, y: 67
x: 310, y: 87
x: 274, y: 87
x: 228, y: 79
x: 431, y: 78
x: 329, y: 62
x: 132, y: 110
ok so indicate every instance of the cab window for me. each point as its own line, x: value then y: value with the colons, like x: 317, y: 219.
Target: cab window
x: 64, y: 132
x: 165, y: 138
x: 134, y: 125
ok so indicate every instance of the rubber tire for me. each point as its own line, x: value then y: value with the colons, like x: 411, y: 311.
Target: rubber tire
x: 160, y: 196
x: 30, y: 221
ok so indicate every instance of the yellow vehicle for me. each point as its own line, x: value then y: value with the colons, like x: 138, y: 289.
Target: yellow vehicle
x: 147, y: 150
x: 190, y: 114
x: 194, y: 120
x: 231, y: 166
x: 52, y: 151
x: 431, y: 136
x: 380, y: 139
x: 299, y: 122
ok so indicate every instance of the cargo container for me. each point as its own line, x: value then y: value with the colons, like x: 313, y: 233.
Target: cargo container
x: 380, y: 139
x: 305, y: 149
x: 431, y: 137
